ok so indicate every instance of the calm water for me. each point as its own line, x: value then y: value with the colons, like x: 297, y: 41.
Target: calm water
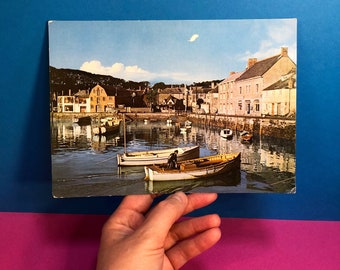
x: 86, y: 165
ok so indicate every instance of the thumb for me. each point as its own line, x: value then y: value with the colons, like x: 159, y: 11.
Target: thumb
x: 164, y: 215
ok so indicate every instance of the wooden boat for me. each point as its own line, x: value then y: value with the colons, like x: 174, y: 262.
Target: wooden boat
x: 108, y: 125
x: 246, y: 136
x: 232, y: 178
x: 187, y: 124
x: 226, y: 133
x: 143, y: 158
x: 83, y: 121
x: 198, y: 168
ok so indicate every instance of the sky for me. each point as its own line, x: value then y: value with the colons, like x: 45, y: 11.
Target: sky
x: 173, y: 52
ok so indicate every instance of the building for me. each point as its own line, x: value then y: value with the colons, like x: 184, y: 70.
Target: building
x: 98, y: 100
x: 82, y: 101
x: 258, y: 76
x: 226, y: 90
x: 101, y: 101
x: 279, y: 99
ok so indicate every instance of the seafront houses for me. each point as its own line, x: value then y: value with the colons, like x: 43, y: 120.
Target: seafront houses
x: 98, y: 100
x: 226, y: 90
x: 101, y: 101
x: 279, y: 99
x: 212, y: 100
x: 258, y: 76
x: 200, y: 99
x: 79, y: 102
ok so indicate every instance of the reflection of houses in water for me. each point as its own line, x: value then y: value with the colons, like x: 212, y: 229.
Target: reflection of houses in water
x: 100, y: 143
x: 73, y: 132
x: 281, y: 161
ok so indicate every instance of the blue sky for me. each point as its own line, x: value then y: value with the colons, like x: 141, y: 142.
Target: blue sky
x: 168, y: 51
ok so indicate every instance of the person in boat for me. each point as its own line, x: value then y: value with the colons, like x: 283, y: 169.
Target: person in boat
x: 139, y: 236
x: 172, y: 160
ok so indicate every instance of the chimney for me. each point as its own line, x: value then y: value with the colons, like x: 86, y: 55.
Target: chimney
x: 231, y: 73
x: 251, y: 62
x: 284, y: 51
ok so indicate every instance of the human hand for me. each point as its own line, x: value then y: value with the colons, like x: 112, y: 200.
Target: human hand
x: 136, y: 237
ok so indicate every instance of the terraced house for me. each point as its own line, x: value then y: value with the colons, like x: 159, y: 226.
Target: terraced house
x: 241, y: 93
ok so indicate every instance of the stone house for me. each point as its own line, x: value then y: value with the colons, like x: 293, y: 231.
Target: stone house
x: 258, y: 76
x: 279, y: 99
x: 176, y: 92
x: 81, y: 101
x: 226, y: 90
x: 101, y: 101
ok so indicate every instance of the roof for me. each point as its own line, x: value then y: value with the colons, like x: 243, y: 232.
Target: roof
x: 174, y: 90
x: 259, y: 68
x: 82, y: 93
x: 287, y: 81
x: 232, y: 77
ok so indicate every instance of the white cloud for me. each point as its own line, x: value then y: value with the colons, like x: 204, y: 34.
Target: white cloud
x: 134, y: 73
x: 118, y: 70
x: 283, y: 35
x: 193, y: 38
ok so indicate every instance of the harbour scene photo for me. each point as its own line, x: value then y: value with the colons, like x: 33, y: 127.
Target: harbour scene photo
x: 132, y: 115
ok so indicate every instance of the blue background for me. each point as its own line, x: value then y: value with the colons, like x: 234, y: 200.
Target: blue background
x: 25, y: 170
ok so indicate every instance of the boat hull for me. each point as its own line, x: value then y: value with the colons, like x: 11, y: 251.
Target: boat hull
x: 226, y: 133
x: 195, y: 169
x: 145, y: 158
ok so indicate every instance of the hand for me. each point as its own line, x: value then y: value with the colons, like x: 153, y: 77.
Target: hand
x: 135, y: 237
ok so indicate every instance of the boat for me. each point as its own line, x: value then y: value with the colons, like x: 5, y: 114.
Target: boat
x: 226, y: 133
x: 187, y: 124
x: 160, y: 156
x: 231, y: 179
x: 246, y: 136
x: 194, y: 169
x: 83, y: 121
x: 108, y: 125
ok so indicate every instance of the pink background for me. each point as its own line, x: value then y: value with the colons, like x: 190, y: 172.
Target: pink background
x: 61, y: 241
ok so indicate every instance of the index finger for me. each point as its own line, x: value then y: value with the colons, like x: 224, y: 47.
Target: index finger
x: 160, y: 219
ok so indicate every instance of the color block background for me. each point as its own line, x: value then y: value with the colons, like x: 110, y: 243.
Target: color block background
x: 260, y: 231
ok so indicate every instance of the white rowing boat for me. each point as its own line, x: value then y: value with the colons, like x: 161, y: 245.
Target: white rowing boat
x: 143, y: 158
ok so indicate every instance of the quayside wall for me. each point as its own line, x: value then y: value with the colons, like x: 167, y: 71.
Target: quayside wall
x: 278, y: 127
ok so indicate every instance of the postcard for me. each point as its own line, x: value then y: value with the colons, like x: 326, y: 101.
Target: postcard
x: 140, y: 107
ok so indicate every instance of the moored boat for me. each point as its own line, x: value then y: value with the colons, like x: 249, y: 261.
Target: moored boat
x: 226, y: 133
x: 246, y: 136
x: 198, y: 168
x: 160, y: 156
x: 83, y: 121
x: 108, y: 125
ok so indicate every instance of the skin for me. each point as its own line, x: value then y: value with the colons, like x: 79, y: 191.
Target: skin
x: 137, y: 237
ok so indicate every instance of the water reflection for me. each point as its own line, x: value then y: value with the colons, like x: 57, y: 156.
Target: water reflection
x: 231, y: 179
x: 81, y: 161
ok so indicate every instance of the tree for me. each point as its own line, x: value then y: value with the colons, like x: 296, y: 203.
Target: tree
x: 151, y: 97
x: 159, y: 85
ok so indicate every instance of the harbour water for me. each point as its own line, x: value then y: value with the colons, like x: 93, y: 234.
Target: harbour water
x: 86, y: 165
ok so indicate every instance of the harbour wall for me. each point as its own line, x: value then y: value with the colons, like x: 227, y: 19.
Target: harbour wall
x: 278, y: 127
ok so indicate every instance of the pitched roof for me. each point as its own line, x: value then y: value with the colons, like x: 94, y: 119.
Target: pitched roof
x: 259, y: 68
x: 287, y: 81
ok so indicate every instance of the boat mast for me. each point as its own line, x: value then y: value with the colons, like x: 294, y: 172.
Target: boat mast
x: 124, y: 130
